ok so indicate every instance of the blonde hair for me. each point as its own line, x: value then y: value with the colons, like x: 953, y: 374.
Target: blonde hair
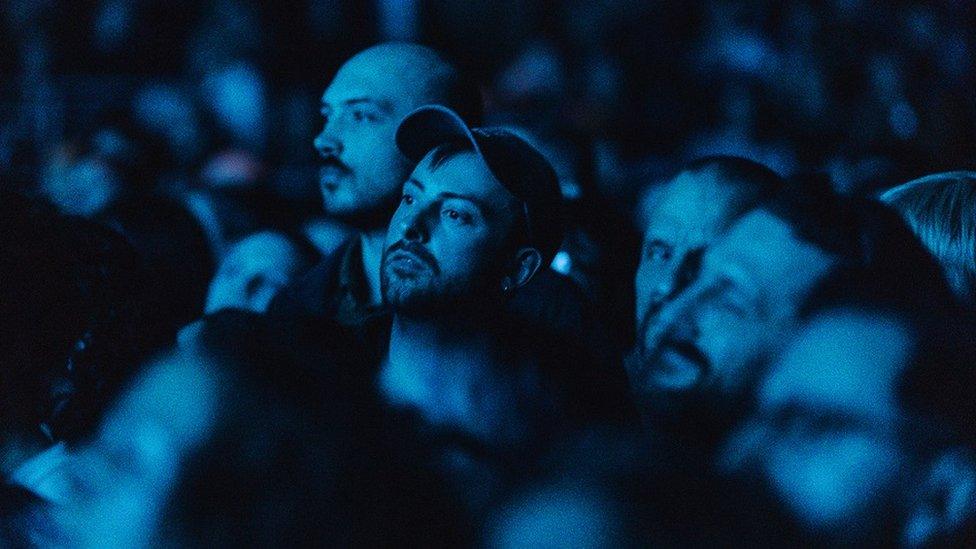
x: 941, y: 210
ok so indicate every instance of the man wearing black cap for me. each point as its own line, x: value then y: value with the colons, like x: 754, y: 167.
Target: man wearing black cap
x: 480, y: 215
x: 361, y: 170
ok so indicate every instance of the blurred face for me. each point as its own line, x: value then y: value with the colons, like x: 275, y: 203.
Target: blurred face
x: 575, y: 513
x: 688, y: 213
x: 254, y: 270
x: 362, y: 169
x: 447, y: 239
x: 84, y: 186
x: 720, y: 332
x: 122, y: 478
x: 825, y: 437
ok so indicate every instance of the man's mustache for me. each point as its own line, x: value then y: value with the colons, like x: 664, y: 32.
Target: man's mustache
x: 645, y: 354
x: 415, y: 250
x: 334, y: 162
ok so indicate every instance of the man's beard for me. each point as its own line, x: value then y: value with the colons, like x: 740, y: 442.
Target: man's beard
x: 425, y: 296
x: 430, y: 300
x: 700, y: 416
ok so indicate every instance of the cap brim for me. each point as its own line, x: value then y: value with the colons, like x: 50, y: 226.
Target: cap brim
x: 428, y: 127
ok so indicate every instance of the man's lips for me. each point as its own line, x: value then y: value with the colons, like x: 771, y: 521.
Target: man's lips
x: 410, y: 256
x: 331, y: 174
x: 679, y: 364
x: 407, y: 262
x: 672, y: 365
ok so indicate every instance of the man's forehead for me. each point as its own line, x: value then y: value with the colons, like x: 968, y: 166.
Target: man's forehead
x: 692, y: 202
x: 843, y: 360
x: 678, y: 228
x: 766, y: 246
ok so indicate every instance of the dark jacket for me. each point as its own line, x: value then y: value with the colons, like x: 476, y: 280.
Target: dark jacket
x: 335, y: 289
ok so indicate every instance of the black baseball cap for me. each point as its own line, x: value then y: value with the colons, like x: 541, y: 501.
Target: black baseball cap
x: 518, y: 166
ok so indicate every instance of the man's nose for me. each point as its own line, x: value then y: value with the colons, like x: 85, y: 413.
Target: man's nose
x: 415, y: 227
x: 685, y: 272
x: 327, y: 144
x: 676, y: 319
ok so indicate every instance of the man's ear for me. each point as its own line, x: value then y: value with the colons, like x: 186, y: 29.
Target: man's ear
x: 527, y: 263
x: 946, y: 502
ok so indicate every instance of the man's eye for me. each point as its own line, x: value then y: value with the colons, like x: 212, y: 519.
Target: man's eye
x: 361, y: 115
x: 659, y: 252
x: 407, y: 199
x: 457, y: 216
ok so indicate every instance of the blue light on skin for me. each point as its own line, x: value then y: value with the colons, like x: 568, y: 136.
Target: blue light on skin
x: 85, y: 186
x: 252, y: 272
x: 236, y: 94
x: 122, y: 478
x: 567, y: 514
x: 460, y: 214
x: 361, y: 170
x: 683, y: 215
x: 725, y: 328
x: 825, y: 435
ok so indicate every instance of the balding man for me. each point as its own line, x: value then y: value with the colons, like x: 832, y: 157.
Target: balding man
x: 362, y: 171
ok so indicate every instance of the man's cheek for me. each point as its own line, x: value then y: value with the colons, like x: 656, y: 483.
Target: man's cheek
x: 727, y: 350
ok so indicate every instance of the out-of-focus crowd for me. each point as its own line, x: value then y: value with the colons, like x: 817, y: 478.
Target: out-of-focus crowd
x: 487, y: 273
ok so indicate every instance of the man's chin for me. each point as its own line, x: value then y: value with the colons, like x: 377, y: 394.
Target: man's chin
x: 653, y: 375
x: 407, y: 300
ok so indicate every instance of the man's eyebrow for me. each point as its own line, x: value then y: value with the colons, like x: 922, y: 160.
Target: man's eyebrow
x: 822, y: 416
x: 416, y: 183
x: 656, y: 241
x: 384, y: 105
x: 482, y: 206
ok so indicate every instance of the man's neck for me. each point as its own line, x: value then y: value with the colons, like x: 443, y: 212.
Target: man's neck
x: 429, y: 337
x: 371, y: 244
x: 425, y: 351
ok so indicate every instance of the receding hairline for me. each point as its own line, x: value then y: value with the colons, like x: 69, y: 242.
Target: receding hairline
x: 427, y: 72
x: 736, y: 172
x: 418, y: 61
x: 741, y: 184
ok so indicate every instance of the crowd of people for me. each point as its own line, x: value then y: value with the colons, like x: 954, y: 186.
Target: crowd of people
x: 483, y: 332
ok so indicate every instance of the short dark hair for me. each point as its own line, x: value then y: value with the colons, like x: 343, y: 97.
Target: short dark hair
x: 898, y: 278
x: 748, y: 175
x: 817, y: 214
x: 883, y: 266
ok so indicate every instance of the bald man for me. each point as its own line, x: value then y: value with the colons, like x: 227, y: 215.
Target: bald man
x: 362, y: 171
